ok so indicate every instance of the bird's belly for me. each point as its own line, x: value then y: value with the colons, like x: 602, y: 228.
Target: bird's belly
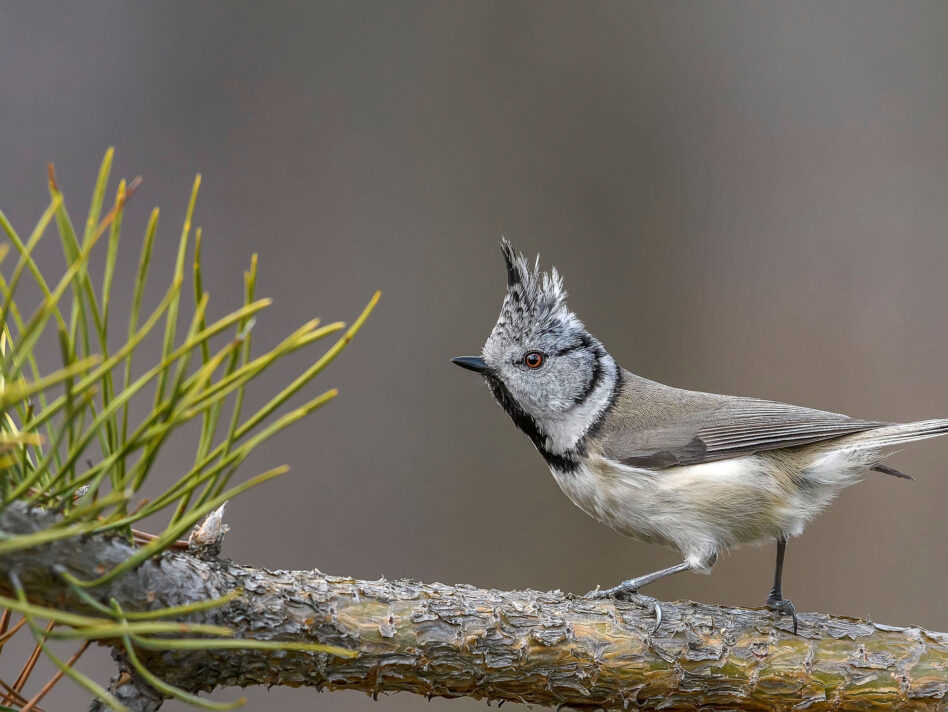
x: 698, y: 509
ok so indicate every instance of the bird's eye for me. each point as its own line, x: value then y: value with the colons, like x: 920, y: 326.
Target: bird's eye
x: 534, y: 359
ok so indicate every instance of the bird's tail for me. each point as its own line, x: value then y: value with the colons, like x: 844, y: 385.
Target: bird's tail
x: 844, y: 459
x: 889, y: 436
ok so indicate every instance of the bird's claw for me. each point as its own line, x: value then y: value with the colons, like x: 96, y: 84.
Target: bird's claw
x: 653, y: 606
x: 784, y: 608
x: 631, y: 595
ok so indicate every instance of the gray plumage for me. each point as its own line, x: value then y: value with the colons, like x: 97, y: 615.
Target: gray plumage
x: 697, y: 471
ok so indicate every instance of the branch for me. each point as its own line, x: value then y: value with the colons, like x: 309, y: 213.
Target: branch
x: 542, y: 648
x: 129, y: 689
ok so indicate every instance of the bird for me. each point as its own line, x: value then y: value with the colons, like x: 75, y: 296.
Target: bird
x: 698, y: 472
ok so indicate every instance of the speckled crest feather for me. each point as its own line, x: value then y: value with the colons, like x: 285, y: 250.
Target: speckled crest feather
x: 535, y: 301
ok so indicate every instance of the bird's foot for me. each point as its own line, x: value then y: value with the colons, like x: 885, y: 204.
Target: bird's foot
x: 779, y: 604
x: 622, y: 592
x: 619, y: 592
x: 628, y: 591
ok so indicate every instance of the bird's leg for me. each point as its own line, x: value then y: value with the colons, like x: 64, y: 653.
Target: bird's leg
x: 775, y: 601
x: 629, y: 590
x: 633, y: 585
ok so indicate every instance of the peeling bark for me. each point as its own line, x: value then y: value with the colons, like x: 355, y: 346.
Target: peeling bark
x: 129, y: 689
x: 543, y: 648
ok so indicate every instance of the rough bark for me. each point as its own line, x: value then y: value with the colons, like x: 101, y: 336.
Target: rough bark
x: 129, y: 689
x: 543, y: 648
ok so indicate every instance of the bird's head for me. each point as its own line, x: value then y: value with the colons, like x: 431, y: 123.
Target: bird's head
x: 539, y: 360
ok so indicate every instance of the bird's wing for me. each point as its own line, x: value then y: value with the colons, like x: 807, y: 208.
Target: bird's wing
x: 722, y: 429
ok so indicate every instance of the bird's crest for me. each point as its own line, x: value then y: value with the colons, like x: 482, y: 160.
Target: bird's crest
x: 535, y: 301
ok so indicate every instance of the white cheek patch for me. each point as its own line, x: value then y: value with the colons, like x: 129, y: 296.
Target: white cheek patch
x: 565, y: 431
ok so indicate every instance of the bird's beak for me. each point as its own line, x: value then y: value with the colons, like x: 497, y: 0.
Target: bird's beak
x: 471, y: 363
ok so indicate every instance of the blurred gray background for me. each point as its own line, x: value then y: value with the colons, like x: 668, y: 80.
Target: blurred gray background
x: 749, y: 198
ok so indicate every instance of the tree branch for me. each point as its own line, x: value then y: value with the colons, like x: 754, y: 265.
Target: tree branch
x: 543, y: 648
x: 129, y: 689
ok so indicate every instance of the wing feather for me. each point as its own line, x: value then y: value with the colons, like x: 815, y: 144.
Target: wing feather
x: 697, y: 428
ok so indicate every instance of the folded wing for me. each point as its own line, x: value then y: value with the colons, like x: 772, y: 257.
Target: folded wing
x: 713, y: 429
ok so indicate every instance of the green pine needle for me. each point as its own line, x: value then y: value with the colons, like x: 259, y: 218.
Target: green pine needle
x: 49, y: 420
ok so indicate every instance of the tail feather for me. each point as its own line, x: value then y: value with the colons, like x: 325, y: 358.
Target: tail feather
x: 886, y: 470
x: 889, y: 436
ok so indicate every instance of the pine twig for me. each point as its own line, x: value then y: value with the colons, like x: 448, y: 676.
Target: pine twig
x: 541, y: 648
